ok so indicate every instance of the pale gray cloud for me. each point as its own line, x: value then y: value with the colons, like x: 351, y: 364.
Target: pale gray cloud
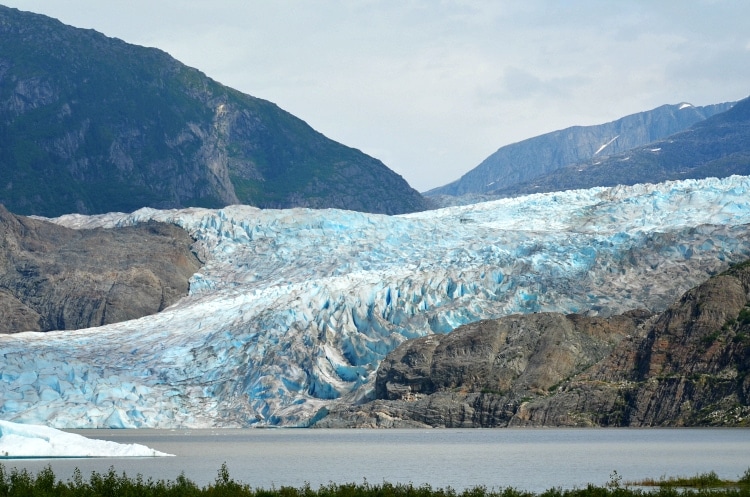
x: 433, y: 87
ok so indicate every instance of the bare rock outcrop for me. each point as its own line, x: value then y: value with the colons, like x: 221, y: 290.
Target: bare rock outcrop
x: 687, y: 366
x: 479, y: 375
x: 689, y: 369
x: 55, y: 278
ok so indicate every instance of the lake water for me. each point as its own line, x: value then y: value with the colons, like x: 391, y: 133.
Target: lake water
x: 529, y: 459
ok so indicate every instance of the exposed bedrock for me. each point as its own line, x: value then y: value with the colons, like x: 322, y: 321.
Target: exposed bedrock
x: 56, y: 278
x: 687, y: 366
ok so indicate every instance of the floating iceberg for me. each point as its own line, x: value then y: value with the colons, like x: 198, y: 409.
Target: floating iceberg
x: 27, y: 441
x: 294, y: 309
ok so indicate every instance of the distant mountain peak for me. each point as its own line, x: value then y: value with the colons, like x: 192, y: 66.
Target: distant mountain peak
x: 718, y: 146
x: 523, y: 162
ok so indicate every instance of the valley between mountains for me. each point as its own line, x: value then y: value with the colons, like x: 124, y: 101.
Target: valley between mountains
x: 175, y: 253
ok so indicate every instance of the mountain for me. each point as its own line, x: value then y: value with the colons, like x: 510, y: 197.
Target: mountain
x: 92, y: 124
x: 293, y: 310
x: 716, y: 147
x: 536, y: 157
x: 57, y: 278
x: 691, y: 367
x: 687, y: 366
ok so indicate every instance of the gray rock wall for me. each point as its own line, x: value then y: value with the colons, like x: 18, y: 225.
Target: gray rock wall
x: 55, y: 278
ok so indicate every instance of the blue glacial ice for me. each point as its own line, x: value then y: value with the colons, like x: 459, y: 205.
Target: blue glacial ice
x: 294, y: 309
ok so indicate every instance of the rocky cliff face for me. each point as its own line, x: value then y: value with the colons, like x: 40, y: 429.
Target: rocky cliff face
x: 686, y: 366
x: 91, y: 124
x: 716, y: 147
x: 55, y: 278
x: 524, y: 161
x: 689, y: 368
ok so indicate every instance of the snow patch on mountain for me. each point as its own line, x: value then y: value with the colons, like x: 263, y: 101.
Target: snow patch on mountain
x: 606, y: 145
x: 294, y: 309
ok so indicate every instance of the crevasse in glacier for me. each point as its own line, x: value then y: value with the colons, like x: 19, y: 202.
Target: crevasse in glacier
x: 295, y: 308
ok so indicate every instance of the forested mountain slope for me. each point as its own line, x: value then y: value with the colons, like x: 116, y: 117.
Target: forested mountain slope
x: 92, y: 124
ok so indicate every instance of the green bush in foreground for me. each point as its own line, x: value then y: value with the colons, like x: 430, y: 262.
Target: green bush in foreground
x: 44, y: 484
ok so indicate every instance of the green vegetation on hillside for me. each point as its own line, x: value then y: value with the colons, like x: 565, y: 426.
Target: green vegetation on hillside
x: 92, y: 124
x: 709, y: 480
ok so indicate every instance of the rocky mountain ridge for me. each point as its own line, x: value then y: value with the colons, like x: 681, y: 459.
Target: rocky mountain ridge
x: 717, y: 147
x: 91, y: 124
x: 56, y: 278
x: 536, y: 157
x: 686, y: 366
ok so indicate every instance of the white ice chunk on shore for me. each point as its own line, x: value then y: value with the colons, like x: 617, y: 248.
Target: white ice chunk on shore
x: 35, y: 441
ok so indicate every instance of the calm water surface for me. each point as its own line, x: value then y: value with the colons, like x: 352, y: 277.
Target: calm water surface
x: 529, y: 459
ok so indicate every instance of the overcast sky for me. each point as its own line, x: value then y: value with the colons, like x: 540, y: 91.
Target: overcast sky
x: 433, y: 87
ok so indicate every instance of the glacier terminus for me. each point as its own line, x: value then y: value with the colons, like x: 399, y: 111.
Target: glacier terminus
x: 294, y: 309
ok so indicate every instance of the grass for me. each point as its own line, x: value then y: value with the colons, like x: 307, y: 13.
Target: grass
x: 21, y: 483
x: 709, y: 480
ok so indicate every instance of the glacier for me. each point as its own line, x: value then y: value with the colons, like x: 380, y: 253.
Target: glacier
x: 294, y: 309
x: 32, y: 441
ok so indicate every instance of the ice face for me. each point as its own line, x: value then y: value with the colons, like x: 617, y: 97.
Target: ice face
x: 19, y: 440
x: 294, y: 309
